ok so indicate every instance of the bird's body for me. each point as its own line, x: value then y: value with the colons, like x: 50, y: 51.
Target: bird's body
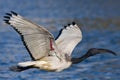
x: 46, y: 52
x: 50, y: 63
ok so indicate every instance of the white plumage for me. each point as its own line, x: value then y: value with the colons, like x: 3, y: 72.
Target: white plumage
x: 42, y: 45
x: 69, y: 38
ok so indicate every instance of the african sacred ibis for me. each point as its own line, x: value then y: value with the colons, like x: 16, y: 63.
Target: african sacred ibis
x: 46, y: 52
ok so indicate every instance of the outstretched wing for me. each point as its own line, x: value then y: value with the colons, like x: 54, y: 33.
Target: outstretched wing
x: 70, y: 36
x: 37, y: 39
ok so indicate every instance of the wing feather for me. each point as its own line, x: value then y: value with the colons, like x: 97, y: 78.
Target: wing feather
x: 70, y: 36
x: 35, y: 37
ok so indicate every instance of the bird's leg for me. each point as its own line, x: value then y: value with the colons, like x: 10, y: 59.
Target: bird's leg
x: 91, y: 52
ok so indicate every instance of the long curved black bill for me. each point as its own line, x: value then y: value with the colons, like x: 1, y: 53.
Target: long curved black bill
x: 91, y: 52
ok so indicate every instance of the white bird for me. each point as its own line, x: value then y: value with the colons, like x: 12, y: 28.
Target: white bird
x: 46, y: 52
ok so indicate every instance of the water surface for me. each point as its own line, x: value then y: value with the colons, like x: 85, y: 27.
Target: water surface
x: 99, y: 21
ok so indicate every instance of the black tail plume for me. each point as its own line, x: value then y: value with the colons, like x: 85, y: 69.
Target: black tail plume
x: 19, y: 68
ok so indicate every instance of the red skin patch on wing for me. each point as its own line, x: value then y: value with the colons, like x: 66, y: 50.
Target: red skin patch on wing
x: 51, y: 45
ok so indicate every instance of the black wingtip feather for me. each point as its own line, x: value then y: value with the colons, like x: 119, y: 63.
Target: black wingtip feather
x: 14, y: 13
x: 7, y: 21
x: 65, y: 26
x: 73, y: 23
x: 68, y: 24
x: 7, y: 17
x: 8, y: 14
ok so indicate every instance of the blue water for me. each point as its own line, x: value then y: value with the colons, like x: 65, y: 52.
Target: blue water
x: 99, y: 21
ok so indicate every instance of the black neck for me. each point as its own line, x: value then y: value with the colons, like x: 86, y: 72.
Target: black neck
x: 91, y: 52
x: 80, y: 59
